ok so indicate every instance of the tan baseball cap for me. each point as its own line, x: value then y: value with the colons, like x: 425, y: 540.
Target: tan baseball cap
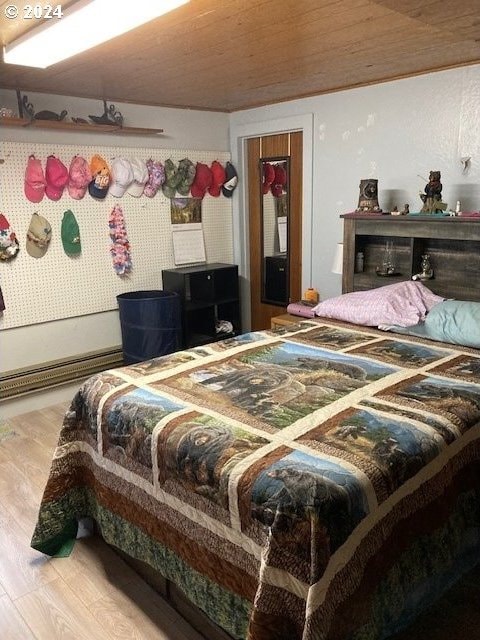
x: 39, y: 235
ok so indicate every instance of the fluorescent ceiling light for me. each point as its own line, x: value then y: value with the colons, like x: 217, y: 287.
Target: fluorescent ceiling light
x: 87, y: 24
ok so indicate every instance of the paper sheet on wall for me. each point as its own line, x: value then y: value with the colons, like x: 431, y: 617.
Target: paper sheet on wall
x: 282, y: 233
x: 188, y: 243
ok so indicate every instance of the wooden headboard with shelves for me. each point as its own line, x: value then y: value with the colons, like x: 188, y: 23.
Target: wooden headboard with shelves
x: 453, y: 244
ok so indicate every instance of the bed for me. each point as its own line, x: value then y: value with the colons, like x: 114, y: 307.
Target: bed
x: 320, y: 481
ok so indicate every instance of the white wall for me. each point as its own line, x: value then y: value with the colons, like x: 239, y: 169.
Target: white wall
x: 184, y: 129
x: 394, y: 132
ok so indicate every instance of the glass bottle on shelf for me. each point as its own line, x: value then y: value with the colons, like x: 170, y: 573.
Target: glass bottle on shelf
x: 359, y: 262
x: 388, y: 260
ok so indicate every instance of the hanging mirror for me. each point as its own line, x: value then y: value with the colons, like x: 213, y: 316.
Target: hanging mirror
x: 274, y: 197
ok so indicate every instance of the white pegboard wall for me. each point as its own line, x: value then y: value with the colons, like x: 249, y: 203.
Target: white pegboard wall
x: 57, y: 286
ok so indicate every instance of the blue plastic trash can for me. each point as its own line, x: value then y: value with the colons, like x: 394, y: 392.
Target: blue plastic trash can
x: 150, y: 323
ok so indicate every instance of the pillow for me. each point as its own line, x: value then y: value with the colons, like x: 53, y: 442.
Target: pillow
x: 452, y: 321
x: 455, y: 321
x: 404, y: 304
x: 418, y: 330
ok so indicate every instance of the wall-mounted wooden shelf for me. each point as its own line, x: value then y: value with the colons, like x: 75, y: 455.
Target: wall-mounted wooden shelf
x: 61, y: 125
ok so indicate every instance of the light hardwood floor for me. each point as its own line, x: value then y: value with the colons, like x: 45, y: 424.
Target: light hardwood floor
x: 91, y: 595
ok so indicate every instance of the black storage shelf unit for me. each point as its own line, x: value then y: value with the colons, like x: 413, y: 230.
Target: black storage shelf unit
x: 208, y: 293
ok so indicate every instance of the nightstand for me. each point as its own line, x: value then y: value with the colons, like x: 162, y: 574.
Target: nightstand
x: 208, y: 293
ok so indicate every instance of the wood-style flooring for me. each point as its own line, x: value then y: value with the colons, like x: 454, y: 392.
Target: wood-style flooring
x: 93, y: 594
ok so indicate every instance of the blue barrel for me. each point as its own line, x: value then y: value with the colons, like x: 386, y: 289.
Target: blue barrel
x: 151, y: 324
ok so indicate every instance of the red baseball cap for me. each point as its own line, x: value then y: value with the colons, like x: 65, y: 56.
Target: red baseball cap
x: 56, y: 175
x: 268, y: 177
x: 279, y: 181
x: 34, y: 180
x: 218, y: 178
x: 203, y: 179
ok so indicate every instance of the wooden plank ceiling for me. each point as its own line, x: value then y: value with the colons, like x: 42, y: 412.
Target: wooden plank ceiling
x: 227, y: 55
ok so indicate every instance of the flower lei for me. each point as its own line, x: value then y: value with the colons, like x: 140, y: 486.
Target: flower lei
x: 120, y: 248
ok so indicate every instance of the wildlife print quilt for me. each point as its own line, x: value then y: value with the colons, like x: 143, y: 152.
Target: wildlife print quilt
x: 317, y: 482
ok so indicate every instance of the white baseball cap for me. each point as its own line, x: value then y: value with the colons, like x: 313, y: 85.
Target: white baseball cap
x: 122, y: 177
x: 140, y: 178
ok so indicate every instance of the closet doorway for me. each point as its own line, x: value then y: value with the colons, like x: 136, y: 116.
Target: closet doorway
x: 275, y: 224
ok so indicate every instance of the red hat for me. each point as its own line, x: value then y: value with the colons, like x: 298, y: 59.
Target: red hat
x: 34, y: 180
x: 79, y: 177
x: 268, y: 176
x: 279, y: 181
x: 203, y: 179
x: 218, y: 178
x: 56, y: 175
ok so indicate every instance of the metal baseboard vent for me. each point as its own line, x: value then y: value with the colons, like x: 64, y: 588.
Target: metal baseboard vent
x: 18, y: 382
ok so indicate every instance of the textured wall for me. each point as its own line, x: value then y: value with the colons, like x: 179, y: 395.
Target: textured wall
x: 394, y: 132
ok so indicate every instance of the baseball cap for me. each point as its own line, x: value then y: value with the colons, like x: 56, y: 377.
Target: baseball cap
x: 186, y: 170
x: 203, y: 179
x: 231, y: 180
x: 122, y: 177
x: 39, y: 235
x: 35, y: 182
x: 156, y: 177
x: 268, y: 177
x: 279, y: 181
x: 172, y: 179
x: 98, y: 187
x: 78, y: 177
x: 8, y: 240
x: 218, y: 178
x: 56, y: 175
x: 70, y: 234
x: 140, y: 178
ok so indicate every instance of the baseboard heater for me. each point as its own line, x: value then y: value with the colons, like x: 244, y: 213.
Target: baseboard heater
x: 18, y: 382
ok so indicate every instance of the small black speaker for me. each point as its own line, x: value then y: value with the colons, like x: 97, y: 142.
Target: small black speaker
x: 276, y: 279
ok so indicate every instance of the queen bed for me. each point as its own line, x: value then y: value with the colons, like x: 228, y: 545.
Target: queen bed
x: 320, y: 481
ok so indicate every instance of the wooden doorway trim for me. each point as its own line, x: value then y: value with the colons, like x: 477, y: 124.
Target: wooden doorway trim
x: 280, y: 145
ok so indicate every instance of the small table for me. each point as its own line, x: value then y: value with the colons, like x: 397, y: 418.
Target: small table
x: 285, y: 319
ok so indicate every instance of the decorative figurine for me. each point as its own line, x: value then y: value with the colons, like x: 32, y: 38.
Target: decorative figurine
x: 406, y: 210
x: 110, y: 115
x: 25, y: 108
x: 50, y: 115
x: 368, y: 199
x: 427, y: 272
x: 432, y: 198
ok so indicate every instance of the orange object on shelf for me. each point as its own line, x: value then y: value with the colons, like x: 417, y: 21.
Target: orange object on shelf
x: 311, y: 295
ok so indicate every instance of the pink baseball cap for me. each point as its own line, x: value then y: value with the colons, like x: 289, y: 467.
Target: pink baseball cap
x: 34, y: 180
x: 79, y: 177
x: 56, y: 175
